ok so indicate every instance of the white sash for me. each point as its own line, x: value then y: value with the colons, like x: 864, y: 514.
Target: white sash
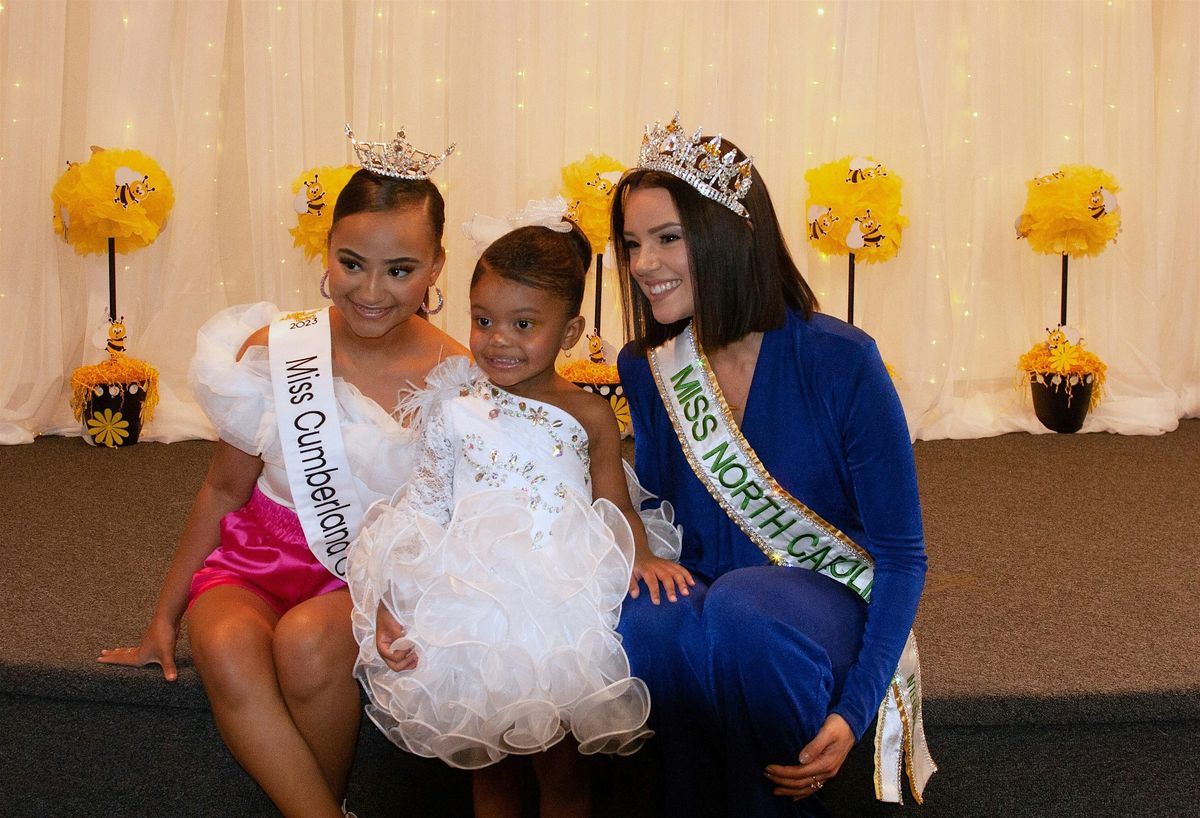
x: 790, y: 534
x: 310, y: 434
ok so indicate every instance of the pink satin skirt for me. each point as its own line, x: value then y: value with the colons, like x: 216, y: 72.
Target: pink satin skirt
x: 263, y: 549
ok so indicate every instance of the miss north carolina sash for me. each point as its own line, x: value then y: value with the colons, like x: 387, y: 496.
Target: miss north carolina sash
x: 310, y: 434
x: 790, y: 534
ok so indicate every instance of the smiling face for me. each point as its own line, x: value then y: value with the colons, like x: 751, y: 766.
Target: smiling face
x: 380, y: 266
x: 658, y: 254
x: 517, y: 332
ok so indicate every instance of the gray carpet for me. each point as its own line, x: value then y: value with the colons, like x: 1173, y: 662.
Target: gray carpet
x: 1058, y: 637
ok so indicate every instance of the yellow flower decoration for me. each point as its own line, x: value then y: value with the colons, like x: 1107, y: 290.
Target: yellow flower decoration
x: 1063, y: 357
x: 1058, y: 357
x: 588, y: 186
x: 620, y: 408
x: 315, y: 193
x: 108, y: 428
x: 122, y: 194
x: 853, y: 206
x: 1072, y: 211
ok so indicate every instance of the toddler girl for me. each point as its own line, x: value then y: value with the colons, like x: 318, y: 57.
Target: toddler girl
x: 487, y: 593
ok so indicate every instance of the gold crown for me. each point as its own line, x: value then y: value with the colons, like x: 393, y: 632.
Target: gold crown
x: 698, y: 162
x: 397, y: 158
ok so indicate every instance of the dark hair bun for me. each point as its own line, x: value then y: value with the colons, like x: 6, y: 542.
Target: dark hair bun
x: 582, y: 244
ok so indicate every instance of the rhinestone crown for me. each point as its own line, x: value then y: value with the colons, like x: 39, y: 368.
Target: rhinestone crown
x: 700, y: 163
x: 397, y: 158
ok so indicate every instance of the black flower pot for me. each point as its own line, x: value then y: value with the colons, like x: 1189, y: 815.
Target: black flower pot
x: 615, y: 395
x: 1058, y: 408
x: 112, y: 416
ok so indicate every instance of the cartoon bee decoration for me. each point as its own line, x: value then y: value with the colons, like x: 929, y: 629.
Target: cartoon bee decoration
x: 864, y: 232
x: 311, y: 198
x: 116, y: 339
x: 595, y: 348
x: 1060, y: 335
x: 820, y: 221
x: 601, y: 184
x: 1101, y: 203
x: 131, y: 187
x: 862, y: 169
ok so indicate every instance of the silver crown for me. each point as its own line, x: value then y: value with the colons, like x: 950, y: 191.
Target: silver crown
x: 397, y: 158
x: 700, y: 163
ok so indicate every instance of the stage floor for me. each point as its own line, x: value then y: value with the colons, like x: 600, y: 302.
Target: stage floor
x: 1060, y: 594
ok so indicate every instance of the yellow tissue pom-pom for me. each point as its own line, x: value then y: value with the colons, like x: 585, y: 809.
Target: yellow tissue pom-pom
x: 63, y: 193
x: 853, y: 206
x: 118, y: 194
x: 315, y: 192
x: 588, y: 185
x: 1072, y: 211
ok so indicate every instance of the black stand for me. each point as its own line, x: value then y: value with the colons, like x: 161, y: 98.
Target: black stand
x: 112, y: 280
x: 599, y: 286
x: 1062, y: 321
x: 850, y: 296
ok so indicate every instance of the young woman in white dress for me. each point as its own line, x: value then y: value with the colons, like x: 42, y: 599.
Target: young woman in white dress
x: 268, y: 622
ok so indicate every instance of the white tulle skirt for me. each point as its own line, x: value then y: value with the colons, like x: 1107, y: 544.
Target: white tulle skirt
x: 515, y: 637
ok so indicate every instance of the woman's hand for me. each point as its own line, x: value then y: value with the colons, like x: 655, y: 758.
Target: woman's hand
x: 156, y: 648
x: 397, y: 652
x: 820, y: 761
x: 655, y: 570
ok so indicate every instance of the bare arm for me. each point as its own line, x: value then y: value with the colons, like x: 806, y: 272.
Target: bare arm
x: 227, y: 486
x: 608, y: 481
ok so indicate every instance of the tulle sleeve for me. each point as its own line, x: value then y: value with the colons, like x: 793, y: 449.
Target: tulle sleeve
x: 236, y: 395
x: 431, y: 490
x: 444, y: 381
x: 663, y: 536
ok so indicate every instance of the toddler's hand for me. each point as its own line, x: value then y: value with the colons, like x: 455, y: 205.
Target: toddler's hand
x: 397, y: 652
x: 654, y: 570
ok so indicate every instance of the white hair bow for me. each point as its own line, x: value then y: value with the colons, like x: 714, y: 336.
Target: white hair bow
x: 482, y: 230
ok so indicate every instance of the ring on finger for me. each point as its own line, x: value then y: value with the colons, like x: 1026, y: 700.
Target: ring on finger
x: 817, y: 784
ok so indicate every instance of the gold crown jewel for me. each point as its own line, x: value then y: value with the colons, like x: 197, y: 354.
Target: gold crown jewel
x: 397, y: 158
x: 700, y: 163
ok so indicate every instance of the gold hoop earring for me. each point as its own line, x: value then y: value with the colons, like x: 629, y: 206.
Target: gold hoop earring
x: 441, y: 302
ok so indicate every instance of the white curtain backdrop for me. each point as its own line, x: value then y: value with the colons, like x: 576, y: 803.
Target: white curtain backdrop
x: 963, y: 99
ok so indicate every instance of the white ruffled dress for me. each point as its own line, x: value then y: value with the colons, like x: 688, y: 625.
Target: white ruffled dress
x: 510, y: 593
x: 238, y: 399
